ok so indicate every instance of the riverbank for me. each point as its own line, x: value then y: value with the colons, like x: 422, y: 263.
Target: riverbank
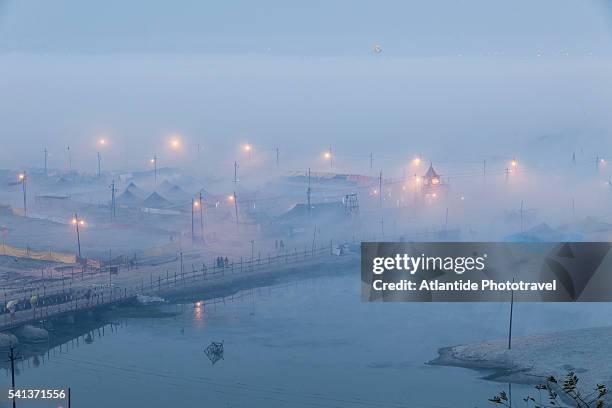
x: 533, y: 358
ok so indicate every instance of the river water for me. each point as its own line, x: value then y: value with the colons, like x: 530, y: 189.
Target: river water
x: 307, y: 342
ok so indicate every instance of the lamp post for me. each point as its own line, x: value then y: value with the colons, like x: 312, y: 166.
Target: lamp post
x: 201, y: 217
x: 175, y: 143
x: 194, y: 204
x: 78, y: 222
x: 154, y: 162
x: 328, y: 156
x: 252, y: 251
x: 69, y: 159
x: 23, y: 179
x: 101, y: 143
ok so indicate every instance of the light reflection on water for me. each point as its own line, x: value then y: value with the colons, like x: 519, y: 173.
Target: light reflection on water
x: 301, y: 343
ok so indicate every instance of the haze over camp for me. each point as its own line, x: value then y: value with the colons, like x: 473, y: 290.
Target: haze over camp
x: 188, y: 193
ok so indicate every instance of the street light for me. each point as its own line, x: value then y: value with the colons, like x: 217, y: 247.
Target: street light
x: 416, y: 161
x: 249, y: 149
x: 102, y: 142
x: 175, y: 142
x: 194, y: 204
x: 76, y: 222
x: 153, y: 161
x: 328, y: 156
x: 514, y: 163
x: 201, y: 217
x: 23, y: 179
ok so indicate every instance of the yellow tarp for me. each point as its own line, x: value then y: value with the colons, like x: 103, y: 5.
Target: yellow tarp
x: 28, y: 253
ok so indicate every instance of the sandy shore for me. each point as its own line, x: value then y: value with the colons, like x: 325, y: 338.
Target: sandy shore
x: 533, y: 358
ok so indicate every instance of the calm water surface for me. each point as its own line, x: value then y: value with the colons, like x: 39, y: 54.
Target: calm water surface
x: 302, y: 343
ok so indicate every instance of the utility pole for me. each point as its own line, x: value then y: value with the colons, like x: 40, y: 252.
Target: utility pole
x: 277, y: 157
x: 446, y: 222
x: 23, y: 178
x: 308, y: 191
x: 69, y: 159
x: 201, y: 217
x: 522, y: 216
x: 154, y: 160
x: 484, y: 173
x: 181, y: 253
x: 76, y: 222
x: 193, y: 203
x: 113, y: 201
x: 235, y: 172
x: 110, y: 266
x: 331, y: 158
x: 236, y: 208
x: 12, y: 359
x: 46, y: 153
x: 380, y: 189
x: 99, y: 165
x: 252, y: 251
x: 371, y: 162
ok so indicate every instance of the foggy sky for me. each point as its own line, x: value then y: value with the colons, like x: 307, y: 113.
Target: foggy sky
x: 484, y: 77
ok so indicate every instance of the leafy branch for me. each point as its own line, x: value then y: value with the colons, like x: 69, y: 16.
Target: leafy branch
x: 568, y: 387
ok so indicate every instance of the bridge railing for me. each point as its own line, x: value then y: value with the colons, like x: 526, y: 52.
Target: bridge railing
x: 53, y: 300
